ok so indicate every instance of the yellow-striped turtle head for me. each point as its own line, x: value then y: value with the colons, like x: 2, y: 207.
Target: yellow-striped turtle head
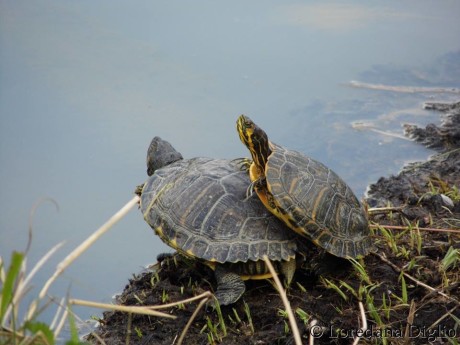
x: 256, y: 141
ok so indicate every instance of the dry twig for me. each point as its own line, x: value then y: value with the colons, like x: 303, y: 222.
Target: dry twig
x: 401, y: 227
x: 410, y: 321
x: 418, y: 282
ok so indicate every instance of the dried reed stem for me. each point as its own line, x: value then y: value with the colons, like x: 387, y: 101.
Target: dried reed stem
x: 205, y: 297
x: 146, y: 310
x: 363, y: 321
x: 384, y: 210
x: 205, y: 294
x: 87, y: 243
x: 282, y: 292
x: 410, y: 321
x: 401, y: 227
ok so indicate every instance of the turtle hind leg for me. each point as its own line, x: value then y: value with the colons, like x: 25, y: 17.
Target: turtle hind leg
x: 230, y: 286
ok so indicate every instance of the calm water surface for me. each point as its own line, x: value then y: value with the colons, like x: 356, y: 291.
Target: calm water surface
x: 85, y: 85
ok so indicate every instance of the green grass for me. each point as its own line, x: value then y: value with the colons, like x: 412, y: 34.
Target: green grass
x: 303, y: 315
x: 247, y: 311
x: 27, y: 329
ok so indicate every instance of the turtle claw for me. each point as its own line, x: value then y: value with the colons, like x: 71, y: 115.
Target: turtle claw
x: 250, y: 190
x: 243, y: 164
x: 256, y: 185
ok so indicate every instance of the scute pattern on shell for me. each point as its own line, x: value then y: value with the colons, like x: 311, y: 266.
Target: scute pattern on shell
x: 199, y: 207
x: 317, y: 200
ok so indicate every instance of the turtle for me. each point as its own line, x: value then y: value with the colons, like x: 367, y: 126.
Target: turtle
x: 198, y: 207
x: 308, y: 196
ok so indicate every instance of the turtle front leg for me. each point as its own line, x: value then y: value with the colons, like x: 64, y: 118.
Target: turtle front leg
x: 288, y: 269
x: 230, y: 286
x: 243, y: 164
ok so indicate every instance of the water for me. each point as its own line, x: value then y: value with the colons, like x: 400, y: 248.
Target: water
x: 84, y: 86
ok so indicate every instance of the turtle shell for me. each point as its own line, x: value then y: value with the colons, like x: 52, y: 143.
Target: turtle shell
x: 199, y: 207
x: 317, y: 203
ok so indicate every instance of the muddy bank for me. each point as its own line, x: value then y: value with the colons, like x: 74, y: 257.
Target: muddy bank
x: 414, y: 187
x: 402, y: 310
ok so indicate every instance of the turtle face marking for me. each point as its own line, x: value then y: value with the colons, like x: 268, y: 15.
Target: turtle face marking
x: 245, y: 128
x: 256, y: 141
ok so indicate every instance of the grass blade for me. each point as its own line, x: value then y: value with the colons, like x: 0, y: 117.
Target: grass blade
x: 8, y: 286
x: 403, y: 289
x: 40, y: 328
